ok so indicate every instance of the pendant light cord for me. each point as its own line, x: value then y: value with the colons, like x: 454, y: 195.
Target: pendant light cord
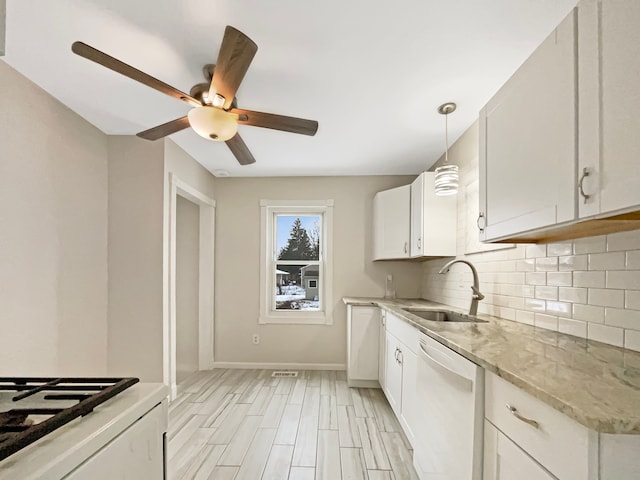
x: 446, y: 138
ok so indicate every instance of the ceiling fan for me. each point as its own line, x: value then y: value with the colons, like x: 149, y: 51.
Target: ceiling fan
x: 215, y: 115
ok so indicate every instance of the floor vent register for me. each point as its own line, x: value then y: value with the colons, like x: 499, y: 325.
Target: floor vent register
x: 282, y: 374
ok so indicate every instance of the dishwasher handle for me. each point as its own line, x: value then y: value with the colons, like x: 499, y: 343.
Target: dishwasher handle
x: 462, y: 378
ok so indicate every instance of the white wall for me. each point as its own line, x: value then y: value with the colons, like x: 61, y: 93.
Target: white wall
x: 187, y: 271
x: 588, y: 287
x: 53, y: 235
x: 238, y: 256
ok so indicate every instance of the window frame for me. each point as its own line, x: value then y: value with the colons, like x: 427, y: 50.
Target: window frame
x: 268, y: 260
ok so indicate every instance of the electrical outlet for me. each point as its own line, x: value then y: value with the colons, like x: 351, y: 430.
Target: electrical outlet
x: 256, y: 339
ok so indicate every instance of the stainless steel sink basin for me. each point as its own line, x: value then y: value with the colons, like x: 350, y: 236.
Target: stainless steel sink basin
x: 442, y: 316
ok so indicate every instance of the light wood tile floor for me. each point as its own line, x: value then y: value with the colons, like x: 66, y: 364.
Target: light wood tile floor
x: 246, y: 425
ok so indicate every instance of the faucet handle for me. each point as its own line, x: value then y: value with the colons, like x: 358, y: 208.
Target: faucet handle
x: 476, y: 293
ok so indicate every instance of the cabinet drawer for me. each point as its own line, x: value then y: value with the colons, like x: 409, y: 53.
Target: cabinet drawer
x: 403, y: 331
x: 554, y: 436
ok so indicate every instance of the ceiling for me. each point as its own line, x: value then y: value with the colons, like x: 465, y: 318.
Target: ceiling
x: 371, y: 72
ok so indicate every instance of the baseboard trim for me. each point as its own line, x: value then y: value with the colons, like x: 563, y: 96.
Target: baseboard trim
x: 363, y: 383
x: 283, y: 366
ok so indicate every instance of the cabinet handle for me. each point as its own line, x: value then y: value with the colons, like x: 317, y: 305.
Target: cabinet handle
x: 396, y: 355
x: 419, y: 242
x: 514, y: 412
x: 480, y: 215
x: 401, y: 357
x: 585, y: 173
x: 405, y: 247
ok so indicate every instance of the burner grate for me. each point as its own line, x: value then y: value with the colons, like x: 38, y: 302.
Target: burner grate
x: 14, y: 437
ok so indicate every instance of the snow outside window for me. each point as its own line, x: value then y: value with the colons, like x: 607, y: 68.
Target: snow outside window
x: 296, y: 270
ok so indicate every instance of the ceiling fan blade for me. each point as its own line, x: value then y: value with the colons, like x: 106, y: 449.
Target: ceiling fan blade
x: 235, y: 56
x: 116, y: 65
x: 276, y: 122
x: 240, y: 150
x: 165, y: 129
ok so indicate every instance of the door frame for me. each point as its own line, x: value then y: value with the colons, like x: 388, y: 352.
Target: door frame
x: 207, y: 209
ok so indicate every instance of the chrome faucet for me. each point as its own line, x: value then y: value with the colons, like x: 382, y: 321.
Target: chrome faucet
x: 477, y: 296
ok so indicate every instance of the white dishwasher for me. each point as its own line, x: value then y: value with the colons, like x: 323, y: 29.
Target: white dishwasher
x: 450, y: 399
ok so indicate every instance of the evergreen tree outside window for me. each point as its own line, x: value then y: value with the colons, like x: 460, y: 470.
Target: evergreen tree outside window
x: 296, y: 267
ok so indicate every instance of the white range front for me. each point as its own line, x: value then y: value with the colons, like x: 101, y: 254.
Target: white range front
x: 122, y: 438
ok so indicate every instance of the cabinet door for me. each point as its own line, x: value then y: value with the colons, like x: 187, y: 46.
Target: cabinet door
x: 391, y: 223
x: 417, y: 228
x: 393, y: 370
x: 609, y: 96
x: 363, y: 331
x: 409, y: 418
x: 504, y: 460
x: 433, y: 219
x: 382, y: 357
x: 527, y: 142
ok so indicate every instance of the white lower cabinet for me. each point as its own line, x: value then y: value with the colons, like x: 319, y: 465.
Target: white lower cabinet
x: 400, y: 372
x: 527, y: 439
x: 539, y: 429
x: 524, y: 438
x: 363, y: 330
x: 393, y: 373
x: 382, y: 340
x: 504, y: 460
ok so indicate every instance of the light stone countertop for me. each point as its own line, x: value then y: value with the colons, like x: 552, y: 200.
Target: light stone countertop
x: 596, y: 384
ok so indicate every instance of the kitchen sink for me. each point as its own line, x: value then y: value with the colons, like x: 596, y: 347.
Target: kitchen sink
x: 443, y: 316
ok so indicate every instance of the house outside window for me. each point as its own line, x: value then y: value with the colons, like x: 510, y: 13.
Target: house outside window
x: 296, y: 266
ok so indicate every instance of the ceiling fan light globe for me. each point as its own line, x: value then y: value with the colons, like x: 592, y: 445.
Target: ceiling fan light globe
x: 213, y: 123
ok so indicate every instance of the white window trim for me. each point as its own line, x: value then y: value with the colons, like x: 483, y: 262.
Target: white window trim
x: 267, y: 249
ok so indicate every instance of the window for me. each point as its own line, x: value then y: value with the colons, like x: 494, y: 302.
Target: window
x: 295, y: 267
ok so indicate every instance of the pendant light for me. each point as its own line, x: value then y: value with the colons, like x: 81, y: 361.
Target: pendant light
x: 446, y: 178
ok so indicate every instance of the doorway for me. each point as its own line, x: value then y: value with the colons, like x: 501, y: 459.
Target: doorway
x: 188, y: 330
x: 187, y: 270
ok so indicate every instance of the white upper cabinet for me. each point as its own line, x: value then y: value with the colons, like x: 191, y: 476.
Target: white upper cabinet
x: 433, y: 220
x: 609, y: 72
x: 559, y: 143
x: 391, y: 223
x: 527, y: 142
x: 412, y: 222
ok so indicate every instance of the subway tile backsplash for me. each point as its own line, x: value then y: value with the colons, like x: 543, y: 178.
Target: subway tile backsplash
x: 589, y: 287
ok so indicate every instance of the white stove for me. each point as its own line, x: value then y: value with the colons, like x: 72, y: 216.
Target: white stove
x: 117, y: 434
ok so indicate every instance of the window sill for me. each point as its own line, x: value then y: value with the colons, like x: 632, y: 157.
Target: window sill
x: 308, y: 319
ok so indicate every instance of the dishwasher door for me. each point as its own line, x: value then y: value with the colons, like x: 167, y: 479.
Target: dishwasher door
x: 450, y: 399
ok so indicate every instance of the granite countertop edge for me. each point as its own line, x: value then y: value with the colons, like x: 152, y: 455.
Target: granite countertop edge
x: 487, y: 345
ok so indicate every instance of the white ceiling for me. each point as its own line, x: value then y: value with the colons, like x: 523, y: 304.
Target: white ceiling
x: 372, y: 72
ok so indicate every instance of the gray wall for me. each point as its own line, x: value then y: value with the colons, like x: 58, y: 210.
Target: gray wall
x: 238, y: 257
x: 53, y: 235
x: 136, y: 190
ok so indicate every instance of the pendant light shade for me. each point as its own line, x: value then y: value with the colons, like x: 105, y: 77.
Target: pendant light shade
x: 446, y: 180
x: 447, y: 177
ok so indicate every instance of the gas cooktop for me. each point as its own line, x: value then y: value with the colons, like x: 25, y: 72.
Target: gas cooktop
x: 32, y: 407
